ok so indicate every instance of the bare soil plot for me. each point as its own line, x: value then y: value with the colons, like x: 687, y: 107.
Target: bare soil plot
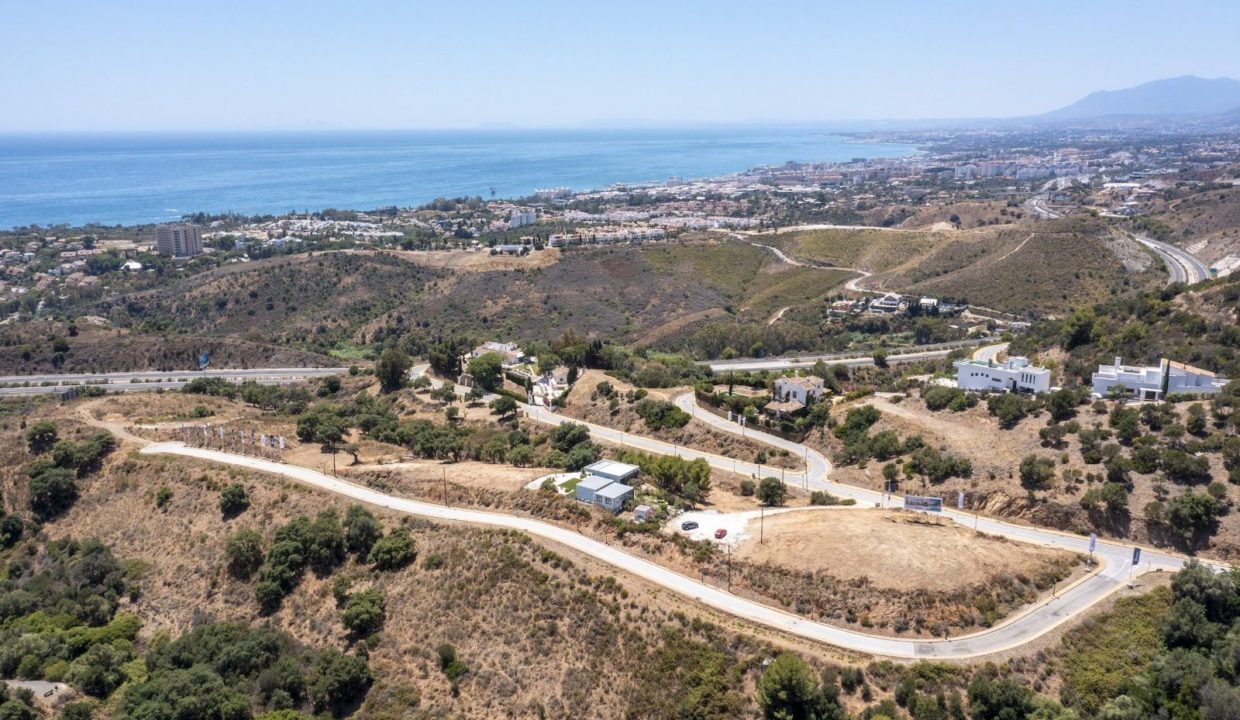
x: 894, y: 549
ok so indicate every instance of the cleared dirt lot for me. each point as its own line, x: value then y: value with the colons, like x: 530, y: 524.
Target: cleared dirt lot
x: 894, y: 549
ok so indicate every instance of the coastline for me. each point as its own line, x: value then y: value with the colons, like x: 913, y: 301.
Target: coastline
x: 78, y: 180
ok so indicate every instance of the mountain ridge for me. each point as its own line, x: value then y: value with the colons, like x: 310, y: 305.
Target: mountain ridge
x: 1184, y: 95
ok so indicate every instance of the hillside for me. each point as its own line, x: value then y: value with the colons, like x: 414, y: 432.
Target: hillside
x: 1205, y: 220
x: 1007, y: 268
x: 1186, y: 95
x: 32, y: 348
x: 340, y: 302
x: 1198, y: 327
x: 563, y: 619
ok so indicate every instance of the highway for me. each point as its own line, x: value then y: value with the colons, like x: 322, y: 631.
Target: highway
x: 1182, y: 267
x: 847, y: 358
x: 147, y: 380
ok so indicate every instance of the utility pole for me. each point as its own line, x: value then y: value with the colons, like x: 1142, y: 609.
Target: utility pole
x: 729, y: 547
x: 445, y: 486
x: 762, y: 524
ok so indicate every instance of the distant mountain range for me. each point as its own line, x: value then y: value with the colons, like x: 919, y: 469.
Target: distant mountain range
x: 1187, y: 95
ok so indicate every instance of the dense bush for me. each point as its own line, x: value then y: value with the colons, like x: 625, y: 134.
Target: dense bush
x: 659, y: 414
x: 1036, y: 472
x: 364, y: 612
x: 938, y: 397
x: 688, y: 480
x: 234, y: 500
x: 393, y: 551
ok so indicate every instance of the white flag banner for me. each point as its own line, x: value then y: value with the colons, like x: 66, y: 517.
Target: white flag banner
x: 960, y: 500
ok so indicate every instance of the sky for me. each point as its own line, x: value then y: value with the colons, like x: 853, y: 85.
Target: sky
x: 125, y: 65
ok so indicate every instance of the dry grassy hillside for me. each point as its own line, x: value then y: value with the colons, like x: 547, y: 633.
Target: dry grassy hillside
x: 543, y: 635
x: 29, y: 348
x: 1025, y: 269
x: 968, y: 215
x: 1045, y: 269
x: 1211, y: 217
x: 875, y: 250
x: 312, y: 301
x: 995, y: 485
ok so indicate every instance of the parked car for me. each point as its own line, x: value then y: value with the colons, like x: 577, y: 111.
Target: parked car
x: 721, y: 533
x: 688, y: 525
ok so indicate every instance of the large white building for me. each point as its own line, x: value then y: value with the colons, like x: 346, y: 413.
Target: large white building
x: 1155, y: 382
x: 182, y: 240
x: 522, y: 217
x: 1015, y: 375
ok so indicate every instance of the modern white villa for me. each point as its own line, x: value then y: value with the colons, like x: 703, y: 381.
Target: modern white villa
x: 1014, y: 375
x: 1155, y: 382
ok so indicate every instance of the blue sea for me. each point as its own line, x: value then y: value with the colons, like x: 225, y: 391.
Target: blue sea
x: 143, y: 178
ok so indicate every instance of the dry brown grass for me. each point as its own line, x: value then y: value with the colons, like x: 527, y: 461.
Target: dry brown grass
x: 530, y: 623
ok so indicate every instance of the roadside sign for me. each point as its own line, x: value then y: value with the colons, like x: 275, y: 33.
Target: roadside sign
x: 960, y: 500
x: 204, y: 360
x: 1093, y: 541
x: 927, y: 504
x: 1136, y: 555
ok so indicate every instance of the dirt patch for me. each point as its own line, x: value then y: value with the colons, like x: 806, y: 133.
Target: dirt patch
x: 893, y: 549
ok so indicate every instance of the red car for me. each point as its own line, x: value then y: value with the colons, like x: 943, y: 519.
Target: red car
x: 721, y: 533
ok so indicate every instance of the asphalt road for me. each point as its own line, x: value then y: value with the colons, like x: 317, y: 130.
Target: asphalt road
x: 803, y: 361
x: 146, y: 380
x: 1115, y: 559
x: 1181, y: 266
x: 988, y: 353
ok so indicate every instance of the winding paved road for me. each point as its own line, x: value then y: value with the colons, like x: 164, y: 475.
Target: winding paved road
x: 1181, y: 266
x: 1114, y: 571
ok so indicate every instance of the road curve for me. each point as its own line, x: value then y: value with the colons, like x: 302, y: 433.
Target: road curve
x: 1003, y: 637
x: 1181, y: 266
x: 1115, y: 570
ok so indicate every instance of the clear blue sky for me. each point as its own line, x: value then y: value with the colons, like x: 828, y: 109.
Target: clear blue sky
x: 358, y: 64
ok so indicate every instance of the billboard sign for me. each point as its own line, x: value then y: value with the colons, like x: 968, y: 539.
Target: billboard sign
x: 925, y: 504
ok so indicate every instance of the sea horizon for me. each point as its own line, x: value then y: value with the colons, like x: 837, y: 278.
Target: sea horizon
x: 142, y: 177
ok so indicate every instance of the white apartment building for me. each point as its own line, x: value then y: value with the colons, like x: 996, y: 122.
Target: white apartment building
x: 1155, y: 382
x: 1015, y: 375
x: 183, y: 240
x: 521, y: 218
